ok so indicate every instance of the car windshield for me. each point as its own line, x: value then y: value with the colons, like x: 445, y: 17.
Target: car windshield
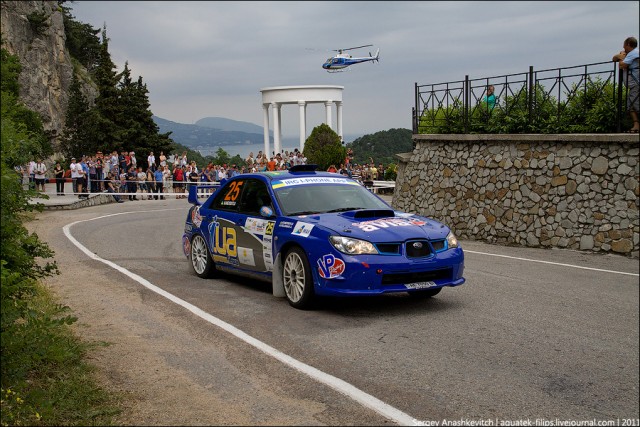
x: 323, y: 198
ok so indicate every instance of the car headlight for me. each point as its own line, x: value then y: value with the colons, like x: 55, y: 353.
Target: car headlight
x: 451, y: 240
x: 350, y: 246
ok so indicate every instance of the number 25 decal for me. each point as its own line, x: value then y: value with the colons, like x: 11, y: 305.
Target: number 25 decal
x: 234, y: 190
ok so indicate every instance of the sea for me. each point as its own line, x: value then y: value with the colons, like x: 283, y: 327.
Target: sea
x: 243, y: 150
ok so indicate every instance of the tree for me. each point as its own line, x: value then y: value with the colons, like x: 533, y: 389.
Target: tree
x: 82, y: 40
x: 323, y: 147
x: 80, y: 122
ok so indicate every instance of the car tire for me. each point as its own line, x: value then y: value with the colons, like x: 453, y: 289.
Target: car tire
x: 200, y: 259
x: 297, y: 279
x: 427, y: 293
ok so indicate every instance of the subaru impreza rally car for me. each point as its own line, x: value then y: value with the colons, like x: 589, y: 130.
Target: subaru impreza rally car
x: 317, y: 233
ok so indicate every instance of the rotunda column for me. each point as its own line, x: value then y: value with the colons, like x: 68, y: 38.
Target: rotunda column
x: 265, y: 126
x: 303, y: 123
x: 339, y: 111
x: 327, y: 108
x: 276, y: 128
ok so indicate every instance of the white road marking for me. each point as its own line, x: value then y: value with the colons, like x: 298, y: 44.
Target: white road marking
x: 549, y: 262
x: 335, y: 383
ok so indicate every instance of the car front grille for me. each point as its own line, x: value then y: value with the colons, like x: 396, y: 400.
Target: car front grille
x: 425, y: 276
x: 417, y: 249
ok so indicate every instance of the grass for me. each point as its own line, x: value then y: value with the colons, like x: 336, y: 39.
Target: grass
x: 46, y: 380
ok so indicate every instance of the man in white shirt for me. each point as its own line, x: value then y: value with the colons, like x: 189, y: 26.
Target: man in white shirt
x: 73, y: 167
x: 152, y: 161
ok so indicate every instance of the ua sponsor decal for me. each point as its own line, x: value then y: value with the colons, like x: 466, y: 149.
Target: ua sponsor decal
x: 329, y: 266
x: 302, y: 229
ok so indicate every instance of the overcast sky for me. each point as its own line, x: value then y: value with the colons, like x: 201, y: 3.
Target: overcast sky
x: 205, y: 59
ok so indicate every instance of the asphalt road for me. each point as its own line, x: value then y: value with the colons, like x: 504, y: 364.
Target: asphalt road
x: 532, y: 334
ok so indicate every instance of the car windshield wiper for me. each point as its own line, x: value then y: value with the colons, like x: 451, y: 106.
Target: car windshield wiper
x: 302, y: 213
x: 344, y: 209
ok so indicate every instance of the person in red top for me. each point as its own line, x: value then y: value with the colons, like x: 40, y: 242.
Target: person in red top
x: 333, y: 169
x: 178, y: 180
x: 271, y: 166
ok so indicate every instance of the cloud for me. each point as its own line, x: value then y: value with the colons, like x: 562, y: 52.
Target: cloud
x: 202, y: 59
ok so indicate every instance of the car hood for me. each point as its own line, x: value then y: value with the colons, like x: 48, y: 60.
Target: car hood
x: 379, y: 225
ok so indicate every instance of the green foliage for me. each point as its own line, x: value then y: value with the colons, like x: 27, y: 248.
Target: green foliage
x: 44, y: 381
x: 391, y: 172
x: 10, y: 71
x: 324, y: 148
x: 38, y: 22
x: 381, y: 146
x: 585, y: 108
x: 82, y: 40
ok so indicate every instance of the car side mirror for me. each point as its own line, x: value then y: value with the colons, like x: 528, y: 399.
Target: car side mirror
x: 266, y: 212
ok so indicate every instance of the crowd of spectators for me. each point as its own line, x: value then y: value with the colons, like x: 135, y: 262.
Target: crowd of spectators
x: 122, y: 175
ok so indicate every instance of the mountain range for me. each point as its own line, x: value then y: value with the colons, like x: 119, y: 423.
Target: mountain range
x: 211, y: 132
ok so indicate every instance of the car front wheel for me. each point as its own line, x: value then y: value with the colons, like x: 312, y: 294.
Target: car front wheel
x: 200, y: 258
x: 297, y: 279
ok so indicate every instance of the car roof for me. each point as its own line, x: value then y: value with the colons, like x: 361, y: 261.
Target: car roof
x: 294, y: 172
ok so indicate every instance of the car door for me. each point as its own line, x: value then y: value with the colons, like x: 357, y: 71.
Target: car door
x: 255, y: 240
x: 239, y: 238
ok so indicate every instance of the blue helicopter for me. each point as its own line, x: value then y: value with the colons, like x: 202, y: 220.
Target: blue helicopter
x: 341, y: 61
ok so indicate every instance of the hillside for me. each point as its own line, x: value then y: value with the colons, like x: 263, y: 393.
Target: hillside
x: 381, y: 146
x: 220, y: 123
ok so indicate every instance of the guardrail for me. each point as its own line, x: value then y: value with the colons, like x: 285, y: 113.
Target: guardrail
x: 536, y: 99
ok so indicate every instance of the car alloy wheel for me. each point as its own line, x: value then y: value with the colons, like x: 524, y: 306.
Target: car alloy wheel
x: 296, y: 276
x: 200, y: 259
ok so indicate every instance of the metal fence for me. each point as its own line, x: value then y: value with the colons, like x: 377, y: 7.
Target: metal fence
x: 529, y: 101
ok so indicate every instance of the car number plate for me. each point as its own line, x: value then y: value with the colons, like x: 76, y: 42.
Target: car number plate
x: 420, y: 285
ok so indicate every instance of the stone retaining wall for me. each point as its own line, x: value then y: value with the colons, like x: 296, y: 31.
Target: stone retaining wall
x: 564, y: 191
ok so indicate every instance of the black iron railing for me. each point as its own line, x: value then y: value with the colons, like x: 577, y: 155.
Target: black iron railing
x: 587, y: 98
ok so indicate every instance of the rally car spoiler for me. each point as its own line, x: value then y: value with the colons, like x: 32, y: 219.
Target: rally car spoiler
x: 202, y: 191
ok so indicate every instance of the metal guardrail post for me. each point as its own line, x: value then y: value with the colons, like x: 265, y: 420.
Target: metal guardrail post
x: 531, y: 95
x: 619, y: 100
x: 416, y: 121
x: 466, y: 94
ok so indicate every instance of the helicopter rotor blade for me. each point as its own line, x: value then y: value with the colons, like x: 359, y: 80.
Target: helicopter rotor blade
x: 351, y: 48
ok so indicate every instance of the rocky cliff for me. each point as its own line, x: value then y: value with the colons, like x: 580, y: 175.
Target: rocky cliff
x: 47, y: 69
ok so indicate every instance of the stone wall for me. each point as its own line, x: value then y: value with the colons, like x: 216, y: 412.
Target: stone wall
x: 552, y: 191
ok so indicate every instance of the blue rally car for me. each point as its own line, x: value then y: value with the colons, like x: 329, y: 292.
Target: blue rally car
x: 318, y: 233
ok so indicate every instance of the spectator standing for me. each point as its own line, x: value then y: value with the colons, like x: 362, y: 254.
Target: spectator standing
x: 39, y: 174
x: 167, y: 178
x: 85, y: 177
x: 151, y: 160
x: 163, y: 160
x: 132, y: 185
x: 31, y: 169
x: 74, y: 175
x: 58, y: 173
x: 158, y: 175
x: 134, y: 161
x: 142, y: 182
x: 93, y: 174
x: 627, y: 60
x: 99, y: 160
x: 151, y: 183
x: 178, y: 178
x: 122, y: 162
